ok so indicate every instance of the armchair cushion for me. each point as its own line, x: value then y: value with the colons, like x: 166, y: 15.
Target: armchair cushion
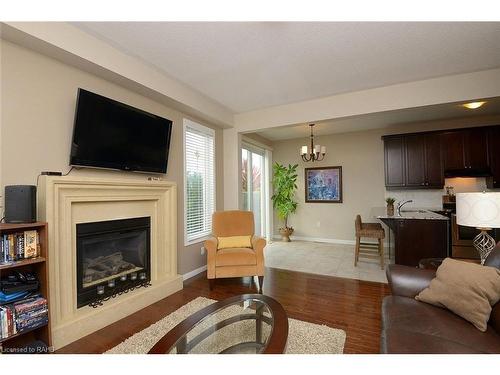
x: 234, y: 241
x: 467, y: 289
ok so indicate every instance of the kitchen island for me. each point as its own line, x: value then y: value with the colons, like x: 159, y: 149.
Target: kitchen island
x: 418, y: 234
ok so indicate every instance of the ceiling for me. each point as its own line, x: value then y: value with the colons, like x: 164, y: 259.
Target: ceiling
x: 384, y: 120
x: 253, y: 65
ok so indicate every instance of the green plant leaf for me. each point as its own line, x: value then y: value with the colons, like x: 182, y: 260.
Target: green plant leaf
x: 284, y: 190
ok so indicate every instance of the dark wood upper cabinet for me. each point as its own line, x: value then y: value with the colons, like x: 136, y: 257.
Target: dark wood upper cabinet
x: 476, y: 148
x: 453, y: 150
x: 423, y: 160
x: 434, y: 177
x: 415, y: 160
x: 394, y: 162
x: 493, y: 182
x: 466, y: 150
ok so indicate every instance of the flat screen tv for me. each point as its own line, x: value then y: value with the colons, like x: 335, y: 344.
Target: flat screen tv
x: 110, y: 134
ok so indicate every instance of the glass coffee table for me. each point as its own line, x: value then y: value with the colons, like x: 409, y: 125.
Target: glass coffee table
x: 244, y: 324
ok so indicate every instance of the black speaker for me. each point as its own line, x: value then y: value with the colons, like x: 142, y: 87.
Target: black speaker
x: 20, y: 204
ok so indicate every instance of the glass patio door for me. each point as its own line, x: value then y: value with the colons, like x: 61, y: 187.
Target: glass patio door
x: 254, y: 186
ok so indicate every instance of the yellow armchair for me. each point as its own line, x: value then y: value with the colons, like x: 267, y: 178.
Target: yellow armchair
x: 239, y: 261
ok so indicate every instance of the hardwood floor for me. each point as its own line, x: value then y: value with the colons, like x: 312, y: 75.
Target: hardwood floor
x: 351, y: 305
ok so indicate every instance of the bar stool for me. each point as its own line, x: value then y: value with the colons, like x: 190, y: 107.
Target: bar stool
x: 368, y: 249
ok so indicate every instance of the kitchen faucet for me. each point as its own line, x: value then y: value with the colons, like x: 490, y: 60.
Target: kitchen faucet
x: 401, y: 204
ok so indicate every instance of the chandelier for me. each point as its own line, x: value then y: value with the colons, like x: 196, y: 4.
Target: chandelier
x: 315, y: 153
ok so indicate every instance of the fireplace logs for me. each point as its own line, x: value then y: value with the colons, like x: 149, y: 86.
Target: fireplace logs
x: 104, y: 266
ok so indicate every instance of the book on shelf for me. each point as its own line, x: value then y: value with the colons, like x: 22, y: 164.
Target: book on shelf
x: 19, y: 246
x: 20, y: 316
x: 30, y: 243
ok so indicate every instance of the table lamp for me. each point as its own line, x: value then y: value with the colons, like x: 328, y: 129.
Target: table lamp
x: 482, y: 211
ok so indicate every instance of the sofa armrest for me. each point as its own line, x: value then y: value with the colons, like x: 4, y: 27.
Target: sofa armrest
x: 211, y: 247
x: 408, y: 281
x: 258, y: 245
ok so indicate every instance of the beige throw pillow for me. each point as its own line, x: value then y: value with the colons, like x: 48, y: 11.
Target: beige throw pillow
x: 234, y: 241
x: 467, y: 289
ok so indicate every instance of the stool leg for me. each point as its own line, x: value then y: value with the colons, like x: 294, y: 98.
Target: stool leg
x: 356, y: 251
x: 381, y: 251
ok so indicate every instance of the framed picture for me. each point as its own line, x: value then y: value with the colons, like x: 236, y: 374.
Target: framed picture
x: 323, y: 185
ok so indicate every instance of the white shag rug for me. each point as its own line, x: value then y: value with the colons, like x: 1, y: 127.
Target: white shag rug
x: 303, y: 337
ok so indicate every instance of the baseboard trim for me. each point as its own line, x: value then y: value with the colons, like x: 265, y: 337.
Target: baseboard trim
x: 325, y: 240
x: 193, y: 273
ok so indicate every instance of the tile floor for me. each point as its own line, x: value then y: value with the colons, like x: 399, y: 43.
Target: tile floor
x: 324, y: 259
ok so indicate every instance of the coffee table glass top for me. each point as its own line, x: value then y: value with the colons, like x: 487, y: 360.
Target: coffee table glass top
x: 246, y: 324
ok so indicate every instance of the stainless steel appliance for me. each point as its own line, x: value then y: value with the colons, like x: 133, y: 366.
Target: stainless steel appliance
x: 462, y: 237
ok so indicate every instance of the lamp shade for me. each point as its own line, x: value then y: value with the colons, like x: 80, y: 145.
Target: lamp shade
x: 479, y: 210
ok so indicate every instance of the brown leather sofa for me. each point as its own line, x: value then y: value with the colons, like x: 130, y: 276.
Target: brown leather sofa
x: 410, y: 326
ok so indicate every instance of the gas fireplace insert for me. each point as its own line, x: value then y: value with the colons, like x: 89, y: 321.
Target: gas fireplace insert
x: 112, y: 257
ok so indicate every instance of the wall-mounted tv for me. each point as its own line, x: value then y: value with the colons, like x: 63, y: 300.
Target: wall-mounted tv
x: 110, y: 134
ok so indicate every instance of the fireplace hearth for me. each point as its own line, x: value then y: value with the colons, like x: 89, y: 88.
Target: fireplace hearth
x: 113, y: 257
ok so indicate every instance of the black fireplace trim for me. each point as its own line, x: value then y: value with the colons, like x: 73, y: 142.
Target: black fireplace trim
x: 87, y: 296
x: 121, y: 288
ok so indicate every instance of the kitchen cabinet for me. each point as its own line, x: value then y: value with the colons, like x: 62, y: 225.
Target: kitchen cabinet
x: 476, y: 148
x: 453, y: 150
x: 413, y: 161
x: 416, y: 239
x: 493, y: 182
x: 465, y: 152
x: 411, y: 246
x: 423, y: 161
x: 434, y: 176
x: 394, y: 162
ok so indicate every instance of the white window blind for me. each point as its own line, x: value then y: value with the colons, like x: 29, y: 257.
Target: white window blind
x: 199, y: 180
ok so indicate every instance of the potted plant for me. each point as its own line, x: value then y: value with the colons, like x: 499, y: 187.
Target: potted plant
x: 285, y: 185
x: 390, y: 205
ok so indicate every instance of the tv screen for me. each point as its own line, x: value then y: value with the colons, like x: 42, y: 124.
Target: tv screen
x: 110, y: 134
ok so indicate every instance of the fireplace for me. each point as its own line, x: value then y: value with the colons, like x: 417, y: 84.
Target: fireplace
x: 113, y: 257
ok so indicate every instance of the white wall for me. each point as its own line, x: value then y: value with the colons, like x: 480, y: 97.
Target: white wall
x: 38, y: 98
x: 73, y: 46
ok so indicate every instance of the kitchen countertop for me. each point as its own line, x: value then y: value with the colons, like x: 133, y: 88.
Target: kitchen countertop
x: 408, y: 213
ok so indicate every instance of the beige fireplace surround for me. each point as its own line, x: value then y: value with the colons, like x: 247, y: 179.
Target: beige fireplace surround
x: 66, y: 201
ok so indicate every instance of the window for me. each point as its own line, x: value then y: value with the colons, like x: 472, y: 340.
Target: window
x: 255, y: 184
x: 199, y: 181
x: 252, y: 175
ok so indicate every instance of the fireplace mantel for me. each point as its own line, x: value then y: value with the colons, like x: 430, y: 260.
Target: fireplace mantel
x: 64, y: 201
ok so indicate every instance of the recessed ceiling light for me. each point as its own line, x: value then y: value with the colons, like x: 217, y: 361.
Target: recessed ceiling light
x: 473, y: 105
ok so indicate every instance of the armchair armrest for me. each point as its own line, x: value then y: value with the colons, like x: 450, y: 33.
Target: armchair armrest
x: 258, y: 244
x: 408, y: 281
x: 211, y: 247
